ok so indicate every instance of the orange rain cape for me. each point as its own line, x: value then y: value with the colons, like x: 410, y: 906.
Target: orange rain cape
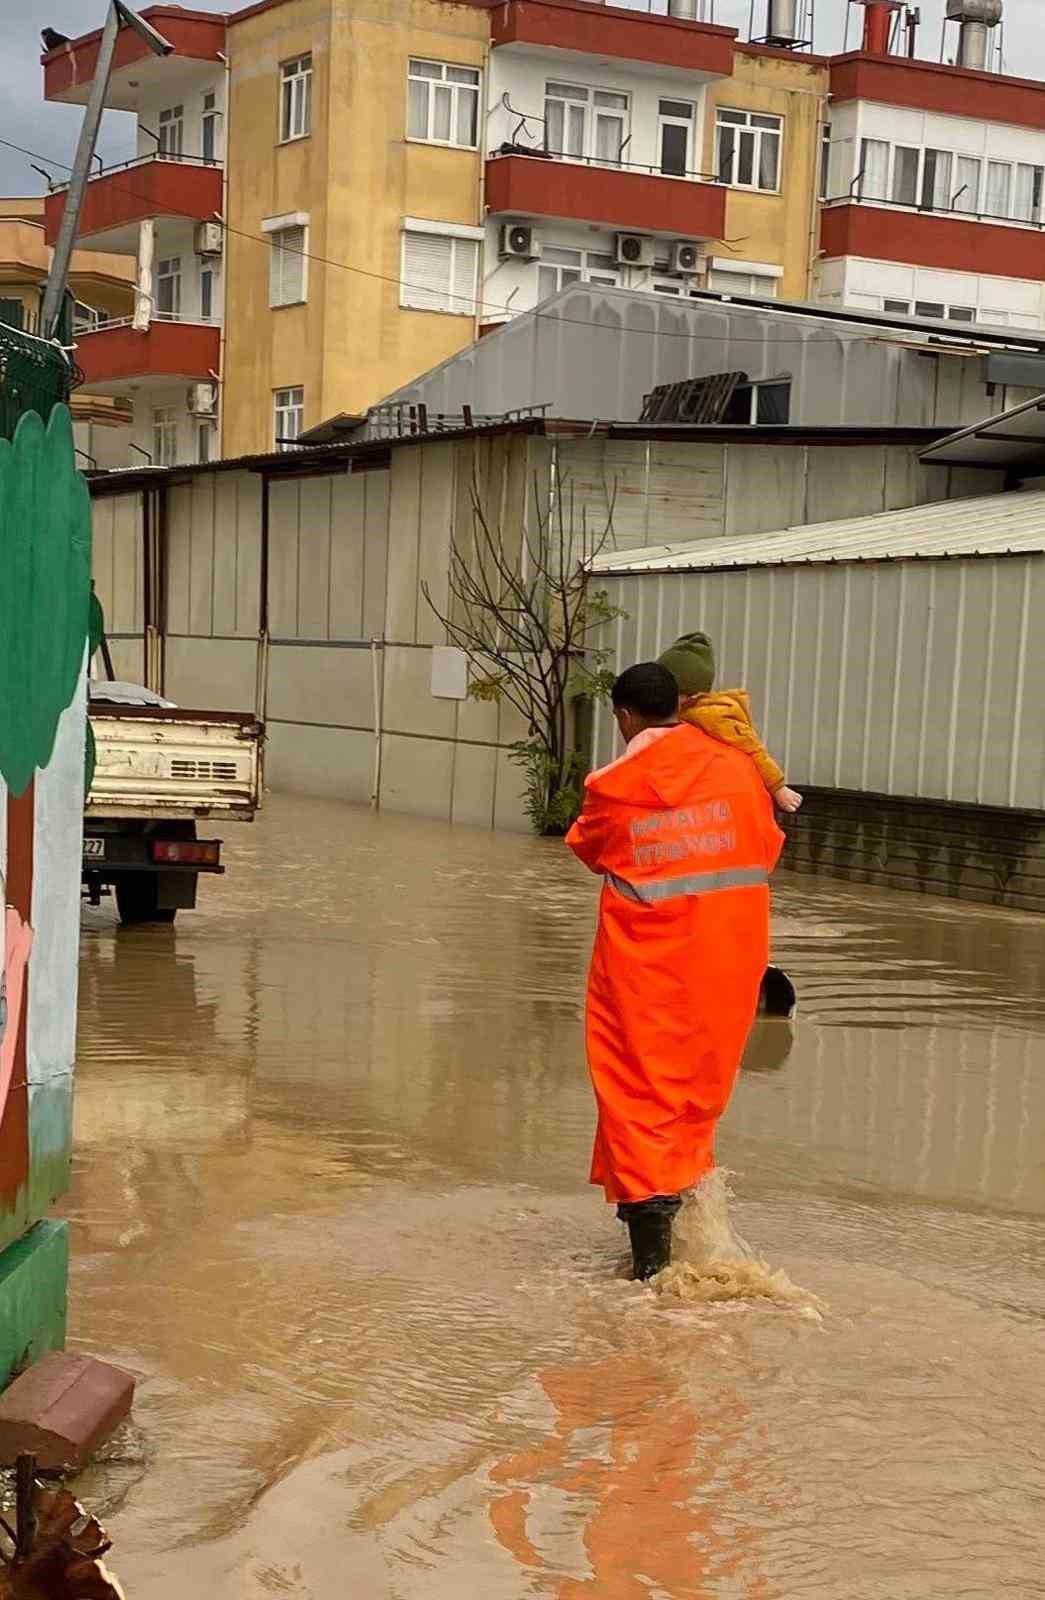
x: 681, y: 829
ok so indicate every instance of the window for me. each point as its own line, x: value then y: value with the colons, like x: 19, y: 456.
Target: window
x: 966, y: 196
x: 442, y: 104
x: 12, y: 313
x: 168, y: 288
x: 936, y: 189
x: 585, y: 123
x: 289, y: 409
x: 675, y: 134
x: 209, y: 128
x: 825, y: 159
x: 873, y: 178
x: 747, y: 149
x: 287, y: 263
x: 905, y: 175
x: 205, y: 442
x: 439, y: 272
x: 765, y: 402
x: 930, y: 308
x: 560, y: 267
x: 999, y: 188
x: 164, y: 436
x: 1027, y: 200
x: 753, y: 283
x: 206, y: 294
x: 172, y: 130
x: 295, y: 100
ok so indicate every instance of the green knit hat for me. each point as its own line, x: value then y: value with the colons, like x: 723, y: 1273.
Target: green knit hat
x: 691, y: 662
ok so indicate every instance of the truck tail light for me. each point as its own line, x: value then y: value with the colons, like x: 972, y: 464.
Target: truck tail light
x: 187, y: 852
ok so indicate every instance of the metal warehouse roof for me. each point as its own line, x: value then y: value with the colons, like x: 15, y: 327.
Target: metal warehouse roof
x: 991, y: 525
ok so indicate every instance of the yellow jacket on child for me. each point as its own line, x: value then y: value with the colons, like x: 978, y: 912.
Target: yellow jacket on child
x: 725, y: 714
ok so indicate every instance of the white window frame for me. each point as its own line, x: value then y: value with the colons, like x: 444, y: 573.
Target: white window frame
x: 85, y: 317
x: 666, y: 119
x: 456, y: 234
x: 171, y: 131
x: 975, y: 200
x: 584, y: 99
x: 288, y: 416
x: 755, y: 386
x: 896, y: 306
x: 456, y: 90
x: 208, y: 274
x: 164, y: 436
x: 206, y: 433
x: 274, y: 226
x: 295, y: 98
x: 590, y: 266
x: 759, y: 285
x: 210, y: 118
x: 173, y: 277
x: 729, y: 117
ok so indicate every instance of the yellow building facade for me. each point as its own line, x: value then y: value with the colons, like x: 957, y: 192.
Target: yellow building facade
x: 332, y: 158
x: 778, y: 227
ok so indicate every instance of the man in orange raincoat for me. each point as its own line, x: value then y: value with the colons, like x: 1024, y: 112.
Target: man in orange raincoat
x: 681, y: 830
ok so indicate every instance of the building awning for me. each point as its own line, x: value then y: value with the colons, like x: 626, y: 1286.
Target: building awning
x: 987, y: 525
x: 1013, y: 440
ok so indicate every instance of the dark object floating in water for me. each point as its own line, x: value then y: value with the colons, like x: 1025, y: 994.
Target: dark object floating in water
x: 777, y: 995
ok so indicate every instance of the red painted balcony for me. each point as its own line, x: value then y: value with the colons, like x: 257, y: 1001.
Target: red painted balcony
x: 611, y: 197
x: 122, y: 197
x: 136, y: 72
x: 116, y: 358
x: 573, y: 27
x: 933, y: 86
x: 932, y: 239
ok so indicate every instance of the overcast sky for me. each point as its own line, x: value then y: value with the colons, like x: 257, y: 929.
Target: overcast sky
x: 51, y: 130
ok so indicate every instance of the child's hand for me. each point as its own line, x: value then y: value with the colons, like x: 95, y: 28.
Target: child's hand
x: 787, y: 799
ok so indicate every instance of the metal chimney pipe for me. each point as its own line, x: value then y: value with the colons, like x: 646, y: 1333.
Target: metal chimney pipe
x: 878, y: 21
x: 975, y: 20
x: 688, y: 10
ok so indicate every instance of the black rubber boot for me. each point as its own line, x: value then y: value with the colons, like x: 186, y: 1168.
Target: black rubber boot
x: 649, y: 1229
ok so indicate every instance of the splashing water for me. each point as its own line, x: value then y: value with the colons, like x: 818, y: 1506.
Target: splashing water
x: 711, y: 1262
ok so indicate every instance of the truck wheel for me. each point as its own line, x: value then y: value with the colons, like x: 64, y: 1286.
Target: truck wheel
x: 136, y: 896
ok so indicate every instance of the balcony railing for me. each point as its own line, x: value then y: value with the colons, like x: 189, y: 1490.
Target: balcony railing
x: 603, y: 163
x: 55, y: 186
x: 854, y: 198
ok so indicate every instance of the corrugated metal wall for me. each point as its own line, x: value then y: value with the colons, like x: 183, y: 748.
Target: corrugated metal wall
x: 591, y: 352
x: 917, y: 678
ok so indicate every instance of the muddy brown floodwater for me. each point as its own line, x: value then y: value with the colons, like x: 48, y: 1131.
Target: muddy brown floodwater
x: 330, y: 1206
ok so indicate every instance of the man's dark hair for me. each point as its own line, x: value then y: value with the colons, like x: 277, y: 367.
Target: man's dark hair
x: 649, y: 690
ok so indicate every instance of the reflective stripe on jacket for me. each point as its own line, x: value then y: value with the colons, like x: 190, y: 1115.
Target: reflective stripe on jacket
x: 682, y: 831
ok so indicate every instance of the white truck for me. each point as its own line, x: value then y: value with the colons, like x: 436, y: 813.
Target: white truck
x: 158, y: 771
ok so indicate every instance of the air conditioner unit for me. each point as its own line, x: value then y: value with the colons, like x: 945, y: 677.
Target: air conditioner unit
x: 685, y: 258
x: 209, y: 238
x: 519, y: 242
x: 634, y: 250
x: 202, y: 400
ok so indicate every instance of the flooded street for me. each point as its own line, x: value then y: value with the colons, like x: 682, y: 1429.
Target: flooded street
x: 330, y: 1206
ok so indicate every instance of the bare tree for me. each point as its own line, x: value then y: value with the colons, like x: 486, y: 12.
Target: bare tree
x: 526, y: 614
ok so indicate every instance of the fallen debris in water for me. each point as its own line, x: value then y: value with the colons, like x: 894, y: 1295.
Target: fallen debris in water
x: 56, y: 1547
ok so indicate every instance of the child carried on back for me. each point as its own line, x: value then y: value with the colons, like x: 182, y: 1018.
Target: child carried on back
x: 723, y: 714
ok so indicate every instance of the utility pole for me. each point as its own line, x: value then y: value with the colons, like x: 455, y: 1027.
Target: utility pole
x: 120, y: 15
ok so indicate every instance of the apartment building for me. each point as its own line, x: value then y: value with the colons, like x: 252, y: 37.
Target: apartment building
x: 101, y: 287
x: 330, y: 199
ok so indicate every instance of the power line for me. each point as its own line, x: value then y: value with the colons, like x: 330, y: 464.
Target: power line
x: 482, y: 305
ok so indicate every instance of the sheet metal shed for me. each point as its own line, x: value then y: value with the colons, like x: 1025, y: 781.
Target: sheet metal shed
x: 899, y: 654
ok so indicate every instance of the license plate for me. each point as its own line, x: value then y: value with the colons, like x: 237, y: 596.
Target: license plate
x: 94, y: 847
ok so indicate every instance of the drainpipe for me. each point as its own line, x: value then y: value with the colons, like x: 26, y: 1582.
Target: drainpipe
x: 226, y: 125
x: 481, y: 187
x: 816, y: 203
x: 376, y: 646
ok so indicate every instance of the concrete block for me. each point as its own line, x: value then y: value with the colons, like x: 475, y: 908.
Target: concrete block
x: 62, y: 1409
